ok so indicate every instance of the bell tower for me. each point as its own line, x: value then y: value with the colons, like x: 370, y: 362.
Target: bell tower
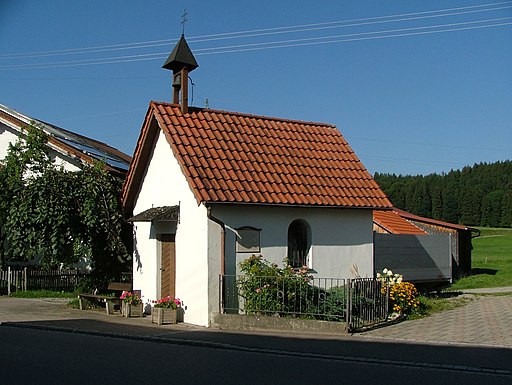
x: 181, y: 61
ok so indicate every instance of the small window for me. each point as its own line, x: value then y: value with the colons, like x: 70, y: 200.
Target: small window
x: 248, y: 240
x: 298, y: 243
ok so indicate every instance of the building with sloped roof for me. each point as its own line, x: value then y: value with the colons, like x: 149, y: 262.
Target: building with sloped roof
x: 208, y: 188
x: 390, y: 222
x: 396, y: 228
x: 66, y: 148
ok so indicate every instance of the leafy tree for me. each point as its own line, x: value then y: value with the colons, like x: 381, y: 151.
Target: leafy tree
x: 56, y: 215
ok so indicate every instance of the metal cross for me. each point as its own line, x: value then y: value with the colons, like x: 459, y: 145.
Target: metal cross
x: 184, y: 20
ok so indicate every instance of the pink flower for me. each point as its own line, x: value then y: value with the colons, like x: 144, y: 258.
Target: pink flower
x: 168, y: 302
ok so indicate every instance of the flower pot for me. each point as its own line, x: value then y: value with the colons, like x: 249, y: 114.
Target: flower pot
x: 162, y: 316
x: 130, y: 310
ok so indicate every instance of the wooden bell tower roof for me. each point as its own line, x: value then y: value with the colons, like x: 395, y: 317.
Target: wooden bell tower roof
x: 180, y: 57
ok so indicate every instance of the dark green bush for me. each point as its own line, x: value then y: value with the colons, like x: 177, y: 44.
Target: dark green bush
x: 268, y: 289
x: 335, y: 304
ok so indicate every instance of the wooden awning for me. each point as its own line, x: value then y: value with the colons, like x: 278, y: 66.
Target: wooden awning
x: 158, y: 214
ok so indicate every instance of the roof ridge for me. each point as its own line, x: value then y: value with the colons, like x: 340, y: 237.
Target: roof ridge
x: 413, y: 217
x: 68, y: 140
x: 223, y: 162
x: 248, y: 115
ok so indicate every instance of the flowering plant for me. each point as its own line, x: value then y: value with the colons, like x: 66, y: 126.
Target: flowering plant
x: 129, y: 297
x: 403, y: 298
x: 270, y: 289
x: 389, y: 278
x: 402, y: 295
x: 167, y: 302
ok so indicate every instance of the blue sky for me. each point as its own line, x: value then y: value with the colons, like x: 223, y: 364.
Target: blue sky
x: 415, y: 87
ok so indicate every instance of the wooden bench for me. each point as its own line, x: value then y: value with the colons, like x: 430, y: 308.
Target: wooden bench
x: 109, y: 300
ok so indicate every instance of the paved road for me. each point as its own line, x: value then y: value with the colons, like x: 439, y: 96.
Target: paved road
x: 472, y: 340
x: 36, y: 356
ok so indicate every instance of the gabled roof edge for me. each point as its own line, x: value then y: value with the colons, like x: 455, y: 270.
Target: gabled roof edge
x: 413, y: 217
x: 19, y: 121
x: 132, y: 183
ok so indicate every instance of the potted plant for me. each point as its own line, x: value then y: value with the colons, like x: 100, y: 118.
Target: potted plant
x: 165, y: 310
x: 132, y: 305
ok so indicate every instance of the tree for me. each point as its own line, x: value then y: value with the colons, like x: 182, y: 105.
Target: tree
x: 491, y: 208
x: 56, y: 215
x: 506, y: 212
x: 477, y: 195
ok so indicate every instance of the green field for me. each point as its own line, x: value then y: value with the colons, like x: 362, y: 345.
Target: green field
x: 491, y: 260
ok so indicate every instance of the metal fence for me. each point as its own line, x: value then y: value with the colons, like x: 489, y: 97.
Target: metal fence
x: 36, y: 279
x: 367, y: 303
x: 360, y: 303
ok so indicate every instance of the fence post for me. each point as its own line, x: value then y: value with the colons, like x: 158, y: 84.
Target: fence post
x: 8, y: 280
x: 220, y: 295
x: 348, y: 310
x: 25, y: 278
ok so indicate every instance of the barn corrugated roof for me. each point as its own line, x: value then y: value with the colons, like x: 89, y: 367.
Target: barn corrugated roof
x: 69, y: 142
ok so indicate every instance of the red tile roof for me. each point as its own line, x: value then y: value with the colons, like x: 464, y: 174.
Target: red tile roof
x: 393, y: 223
x: 229, y: 157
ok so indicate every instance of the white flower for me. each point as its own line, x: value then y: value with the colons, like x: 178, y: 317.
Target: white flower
x: 385, y: 271
x: 390, y: 273
x: 399, y: 280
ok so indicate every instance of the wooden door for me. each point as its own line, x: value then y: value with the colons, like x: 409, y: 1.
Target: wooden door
x: 167, y: 265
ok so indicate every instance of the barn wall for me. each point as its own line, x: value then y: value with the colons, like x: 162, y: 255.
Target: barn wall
x: 419, y: 258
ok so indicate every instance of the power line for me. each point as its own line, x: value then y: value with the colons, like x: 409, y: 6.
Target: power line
x: 452, y: 27
x: 332, y: 25
x: 269, y: 31
x: 353, y: 39
x: 200, y: 50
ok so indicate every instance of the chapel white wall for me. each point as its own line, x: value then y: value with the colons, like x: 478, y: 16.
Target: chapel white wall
x: 342, y: 239
x: 165, y: 185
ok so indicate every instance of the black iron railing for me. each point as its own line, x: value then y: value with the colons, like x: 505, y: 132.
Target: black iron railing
x: 360, y: 303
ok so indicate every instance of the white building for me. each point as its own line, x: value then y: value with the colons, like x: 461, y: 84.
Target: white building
x: 207, y: 189
x: 66, y: 148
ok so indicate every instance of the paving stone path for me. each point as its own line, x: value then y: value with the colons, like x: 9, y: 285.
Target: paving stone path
x: 485, y: 320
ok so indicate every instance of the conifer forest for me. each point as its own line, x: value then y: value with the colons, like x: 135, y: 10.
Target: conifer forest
x: 480, y: 195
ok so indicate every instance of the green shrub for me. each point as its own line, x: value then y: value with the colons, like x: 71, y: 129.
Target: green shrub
x: 268, y: 289
x: 85, y: 285
x: 335, y: 304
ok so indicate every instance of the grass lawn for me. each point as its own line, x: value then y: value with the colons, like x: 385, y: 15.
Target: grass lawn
x: 42, y: 294
x: 491, y: 260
